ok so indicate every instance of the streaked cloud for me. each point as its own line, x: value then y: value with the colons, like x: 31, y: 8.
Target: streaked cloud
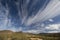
x: 30, y: 18
x: 52, y: 10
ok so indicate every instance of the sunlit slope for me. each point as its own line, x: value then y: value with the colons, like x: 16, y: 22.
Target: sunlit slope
x: 10, y: 35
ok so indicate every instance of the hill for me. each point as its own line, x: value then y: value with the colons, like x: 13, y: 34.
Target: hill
x: 10, y: 35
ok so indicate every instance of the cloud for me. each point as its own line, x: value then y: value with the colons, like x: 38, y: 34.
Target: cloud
x: 5, y: 22
x: 33, y: 31
x: 51, y: 20
x: 52, y: 27
x: 3, y: 16
x: 14, y: 29
x: 47, y: 12
x: 53, y: 31
x: 52, y: 10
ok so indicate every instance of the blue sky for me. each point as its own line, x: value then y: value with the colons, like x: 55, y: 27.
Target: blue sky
x: 33, y: 16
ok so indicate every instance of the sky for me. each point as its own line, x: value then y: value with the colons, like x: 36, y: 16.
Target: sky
x: 33, y: 16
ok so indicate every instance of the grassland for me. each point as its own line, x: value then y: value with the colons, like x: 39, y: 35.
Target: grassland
x: 9, y: 35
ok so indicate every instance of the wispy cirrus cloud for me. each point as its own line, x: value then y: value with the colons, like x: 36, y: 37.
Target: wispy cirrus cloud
x: 31, y: 17
x: 3, y: 16
x: 52, y: 10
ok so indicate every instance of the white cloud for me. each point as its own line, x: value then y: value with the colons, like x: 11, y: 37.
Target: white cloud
x: 5, y: 23
x: 33, y: 31
x: 52, y: 10
x: 51, y: 20
x: 53, y: 31
x: 52, y: 27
